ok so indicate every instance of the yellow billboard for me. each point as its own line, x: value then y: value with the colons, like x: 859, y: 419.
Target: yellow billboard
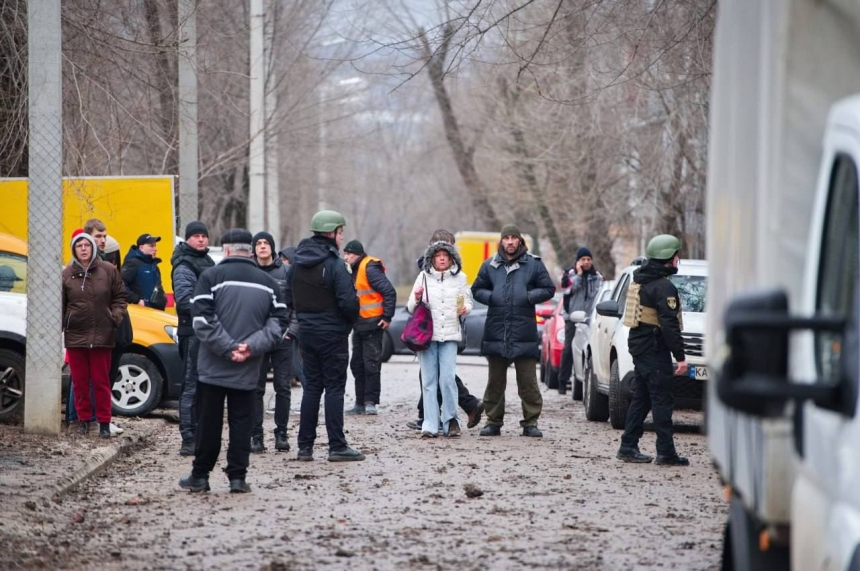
x: 129, y: 207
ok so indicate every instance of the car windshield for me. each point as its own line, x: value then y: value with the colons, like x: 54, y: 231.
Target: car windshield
x: 13, y: 273
x: 693, y: 290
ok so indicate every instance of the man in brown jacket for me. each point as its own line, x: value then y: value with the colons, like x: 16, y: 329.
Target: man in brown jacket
x: 94, y: 301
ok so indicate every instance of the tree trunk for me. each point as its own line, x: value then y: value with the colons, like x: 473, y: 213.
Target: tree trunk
x: 463, y: 157
x: 167, y: 81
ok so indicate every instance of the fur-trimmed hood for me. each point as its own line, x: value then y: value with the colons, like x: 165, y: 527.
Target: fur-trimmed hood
x: 435, y: 247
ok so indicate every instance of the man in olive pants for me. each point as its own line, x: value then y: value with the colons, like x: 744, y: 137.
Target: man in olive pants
x: 510, y: 284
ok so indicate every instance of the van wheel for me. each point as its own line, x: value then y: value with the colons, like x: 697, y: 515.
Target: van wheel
x: 740, y: 544
x: 596, y: 404
x: 11, y: 385
x: 619, y: 403
x: 137, y: 388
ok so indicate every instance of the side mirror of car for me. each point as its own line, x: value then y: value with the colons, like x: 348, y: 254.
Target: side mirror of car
x: 754, y: 376
x: 578, y: 317
x: 608, y: 308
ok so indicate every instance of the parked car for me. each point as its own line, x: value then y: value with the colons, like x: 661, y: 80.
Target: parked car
x: 580, y: 347
x: 150, y: 370
x: 607, y: 393
x: 392, y: 345
x: 551, y: 346
x: 543, y: 311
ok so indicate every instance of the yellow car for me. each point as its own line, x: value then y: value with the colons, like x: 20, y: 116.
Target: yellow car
x: 150, y: 369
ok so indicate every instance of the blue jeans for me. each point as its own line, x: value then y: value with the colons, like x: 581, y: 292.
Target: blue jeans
x: 438, y: 370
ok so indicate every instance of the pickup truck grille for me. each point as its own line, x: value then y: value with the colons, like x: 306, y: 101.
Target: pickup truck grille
x: 694, y: 344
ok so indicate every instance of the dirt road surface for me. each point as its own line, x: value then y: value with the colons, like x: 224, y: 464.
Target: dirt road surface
x: 560, y: 502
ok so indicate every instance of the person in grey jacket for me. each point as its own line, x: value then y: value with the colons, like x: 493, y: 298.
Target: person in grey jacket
x: 510, y: 284
x: 580, y: 286
x: 239, y: 316
x: 281, y: 357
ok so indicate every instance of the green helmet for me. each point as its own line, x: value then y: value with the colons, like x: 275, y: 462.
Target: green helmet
x: 327, y: 221
x: 663, y: 247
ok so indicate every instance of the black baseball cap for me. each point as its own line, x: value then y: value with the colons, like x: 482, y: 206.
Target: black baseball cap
x: 147, y: 239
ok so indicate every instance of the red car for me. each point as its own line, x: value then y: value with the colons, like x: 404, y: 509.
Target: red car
x: 551, y: 346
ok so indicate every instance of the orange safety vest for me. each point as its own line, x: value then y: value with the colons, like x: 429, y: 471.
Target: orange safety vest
x: 369, y: 300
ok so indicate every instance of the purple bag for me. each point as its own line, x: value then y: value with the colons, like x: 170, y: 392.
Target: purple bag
x: 418, y: 332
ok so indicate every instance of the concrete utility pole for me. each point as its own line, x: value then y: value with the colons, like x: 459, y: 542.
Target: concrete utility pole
x: 188, y: 153
x: 257, y: 153
x: 273, y: 197
x: 45, y: 219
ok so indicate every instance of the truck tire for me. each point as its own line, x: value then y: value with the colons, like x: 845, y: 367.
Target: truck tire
x: 11, y: 385
x: 740, y: 544
x: 596, y: 404
x: 138, y: 388
x: 619, y: 403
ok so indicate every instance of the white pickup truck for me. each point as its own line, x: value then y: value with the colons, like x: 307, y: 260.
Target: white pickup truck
x: 783, y: 242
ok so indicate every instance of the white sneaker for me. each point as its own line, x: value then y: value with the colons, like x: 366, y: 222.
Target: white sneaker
x: 114, y: 429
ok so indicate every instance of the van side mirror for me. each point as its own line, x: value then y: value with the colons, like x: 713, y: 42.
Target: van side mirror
x: 608, y: 308
x: 754, y: 377
x: 578, y: 317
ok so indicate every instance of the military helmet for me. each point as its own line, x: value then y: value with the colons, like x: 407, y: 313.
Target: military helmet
x: 327, y: 221
x: 663, y: 247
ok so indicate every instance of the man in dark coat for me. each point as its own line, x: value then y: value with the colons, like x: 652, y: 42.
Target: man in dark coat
x: 190, y: 259
x: 141, y: 274
x: 280, y: 357
x: 510, y: 284
x: 323, y: 295
x: 377, y: 300
x: 239, y: 316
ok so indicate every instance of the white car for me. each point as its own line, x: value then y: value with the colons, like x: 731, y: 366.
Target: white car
x: 582, y: 338
x: 607, y: 394
x: 13, y: 308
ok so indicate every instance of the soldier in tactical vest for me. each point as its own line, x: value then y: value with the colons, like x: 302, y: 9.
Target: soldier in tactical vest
x: 321, y: 291
x: 189, y: 260
x: 653, y: 313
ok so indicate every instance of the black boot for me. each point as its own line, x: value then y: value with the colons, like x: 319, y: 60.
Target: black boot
x: 104, y: 430
x: 83, y: 428
x: 532, y: 431
x: 671, y: 460
x: 633, y: 456
x: 491, y: 430
x: 239, y: 486
x: 194, y: 483
x: 282, y: 444
x: 257, y: 444
x: 345, y: 455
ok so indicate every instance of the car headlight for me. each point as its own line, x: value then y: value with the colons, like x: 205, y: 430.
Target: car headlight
x: 172, y: 332
x: 559, y: 335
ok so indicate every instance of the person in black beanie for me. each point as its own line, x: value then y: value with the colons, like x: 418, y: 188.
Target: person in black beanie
x: 280, y: 357
x: 190, y: 259
x: 580, y: 284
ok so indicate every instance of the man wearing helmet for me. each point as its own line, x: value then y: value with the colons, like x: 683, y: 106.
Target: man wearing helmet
x: 321, y: 291
x: 653, y: 313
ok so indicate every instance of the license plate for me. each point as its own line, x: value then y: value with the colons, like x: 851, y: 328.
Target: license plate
x: 699, y: 373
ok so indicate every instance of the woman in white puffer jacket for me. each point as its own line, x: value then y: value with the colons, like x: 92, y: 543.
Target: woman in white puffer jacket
x: 444, y: 289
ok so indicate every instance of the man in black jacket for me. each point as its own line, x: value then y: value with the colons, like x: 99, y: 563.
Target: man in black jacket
x: 510, y: 284
x: 141, y: 274
x: 376, y: 299
x: 324, y: 298
x: 239, y: 316
x: 190, y: 259
x: 281, y: 357
x: 653, y: 313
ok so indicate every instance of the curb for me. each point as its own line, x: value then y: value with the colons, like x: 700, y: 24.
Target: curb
x: 99, y: 459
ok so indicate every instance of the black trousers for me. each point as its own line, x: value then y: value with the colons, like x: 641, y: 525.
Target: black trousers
x: 326, y: 357
x: 652, y: 391
x: 187, y: 394
x: 466, y: 400
x: 281, y: 358
x: 566, y: 367
x: 366, y: 365
x: 210, y: 422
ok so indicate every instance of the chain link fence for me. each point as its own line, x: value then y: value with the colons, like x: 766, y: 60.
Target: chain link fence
x: 45, y: 220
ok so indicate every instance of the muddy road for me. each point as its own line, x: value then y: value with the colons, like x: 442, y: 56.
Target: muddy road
x: 561, y: 502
